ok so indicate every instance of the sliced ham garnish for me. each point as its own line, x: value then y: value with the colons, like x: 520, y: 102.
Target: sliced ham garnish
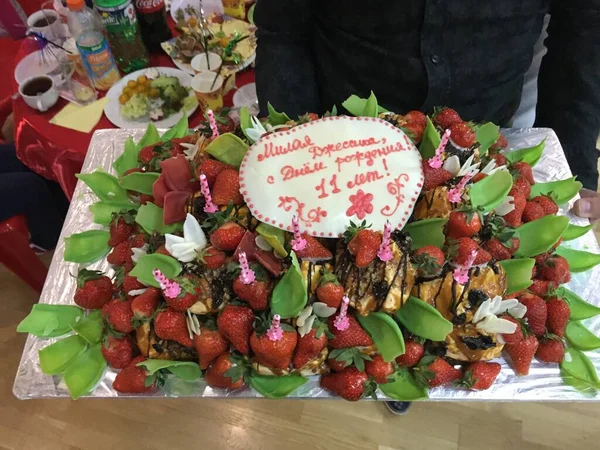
x: 267, y: 259
x: 159, y: 190
x: 174, y: 206
x: 177, y: 173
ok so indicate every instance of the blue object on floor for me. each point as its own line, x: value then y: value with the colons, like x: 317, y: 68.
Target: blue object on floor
x: 398, y: 408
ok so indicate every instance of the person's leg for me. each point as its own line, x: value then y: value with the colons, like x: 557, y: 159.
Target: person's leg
x: 398, y: 408
x: 9, y: 161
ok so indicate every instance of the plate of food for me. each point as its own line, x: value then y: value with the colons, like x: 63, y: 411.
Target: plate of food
x: 156, y: 95
x: 232, y: 39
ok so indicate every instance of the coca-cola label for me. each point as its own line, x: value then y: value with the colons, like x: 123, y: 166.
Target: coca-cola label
x: 149, y: 6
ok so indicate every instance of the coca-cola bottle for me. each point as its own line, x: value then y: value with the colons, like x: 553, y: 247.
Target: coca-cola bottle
x: 152, y: 17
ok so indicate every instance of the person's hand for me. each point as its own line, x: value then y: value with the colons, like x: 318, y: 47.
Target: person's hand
x: 588, y: 206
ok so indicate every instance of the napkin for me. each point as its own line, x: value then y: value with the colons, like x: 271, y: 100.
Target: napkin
x: 80, y: 118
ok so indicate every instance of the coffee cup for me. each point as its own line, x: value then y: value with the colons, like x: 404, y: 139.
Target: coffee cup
x: 39, y: 92
x: 46, y: 22
x: 199, y: 62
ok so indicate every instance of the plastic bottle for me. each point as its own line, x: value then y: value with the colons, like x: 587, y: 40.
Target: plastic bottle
x: 124, y: 35
x: 86, y: 29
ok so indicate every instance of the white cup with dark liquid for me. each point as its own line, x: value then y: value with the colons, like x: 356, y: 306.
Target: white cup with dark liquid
x: 39, y: 92
x: 46, y: 22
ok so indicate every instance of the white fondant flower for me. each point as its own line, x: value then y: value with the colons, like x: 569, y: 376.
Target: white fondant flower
x: 191, y: 150
x: 262, y: 243
x: 193, y: 324
x: 307, y: 326
x: 304, y: 314
x: 322, y: 310
x: 494, y: 325
x: 136, y: 292
x: 506, y: 206
x: 137, y: 253
x: 485, y: 318
x: 186, y: 248
x: 468, y: 167
x: 491, y: 168
x: 256, y: 131
x: 452, y: 165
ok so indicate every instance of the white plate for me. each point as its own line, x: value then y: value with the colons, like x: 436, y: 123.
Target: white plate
x: 113, y: 107
x: 34, y: 64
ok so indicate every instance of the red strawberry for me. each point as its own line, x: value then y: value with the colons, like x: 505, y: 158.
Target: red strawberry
x: 414, y: 131
x: 533, y: 211
x: 209, y: 344
x: 412, y: 354
x: 162, y: 250
x: 213, y: 258
x: 559, y: 314
x: 550, y: 350
x: 522, y: 353
x: 314, y: 250
x: 479, y: 176
x: 330, y: 291
x: 480, y: 375
x: 500, y: 160
x: 227, y: 188
x: 256, y: 294
x: 464, y: 247
x: 94, y: 289
x: 525, y: 171
x: 500, y: 144
x: 337, y: 365
x: 132, y: 379
x: 550, y: 207
x: 540, y: 287
x: 429, y: 260
x: 438, y: 371
x: 189, y: 295
x: 520, y: 186
x: 460, y: 225
x: 364, y: 246
x: 513, y: 218
x: 131, y: 284
x: 228, y: 236
x: 445, y: 117
x: 137, y: 241
x: 350, y: 384
x: 416, y: 117
x: 211, y: 168
x: 119, y: 315
x: 120, y: 255
x: 218, y: 373
x: 118, y: 352
x: 171, y: 325
x: 353, y: 336
x: 536, y: 314
x: 517, y: 335
x: 462, y: 135
x: 497, y: 249
x: 555, y: 269
x: 379, y: 369
x: 144, y: 305
x: 309, y: 347
x: 121, y: 228
x: 145, y: 198
x: 235, y: 323
x: 147, y: 153
x: 434, y: 177
x: 275, y: 354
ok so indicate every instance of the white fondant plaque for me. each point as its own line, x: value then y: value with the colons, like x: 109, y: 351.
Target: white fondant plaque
x: 330, y: 172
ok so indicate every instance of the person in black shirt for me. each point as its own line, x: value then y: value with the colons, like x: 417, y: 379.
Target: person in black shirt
x: 416, y: 54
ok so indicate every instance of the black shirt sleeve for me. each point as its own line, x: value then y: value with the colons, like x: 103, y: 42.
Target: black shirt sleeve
x: 285, y: 74
x: 569, y: 84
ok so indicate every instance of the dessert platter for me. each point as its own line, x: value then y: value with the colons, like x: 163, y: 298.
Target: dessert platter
x: 367, y: 255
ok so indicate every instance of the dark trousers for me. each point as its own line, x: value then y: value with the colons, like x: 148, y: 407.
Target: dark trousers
x: 23, y: 192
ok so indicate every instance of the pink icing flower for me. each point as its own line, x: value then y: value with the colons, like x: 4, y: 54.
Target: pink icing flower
x: 298, y: 243
x: 247, y: 276
x: 436, y: 162
x: 341, y: 322
x: 170, y: 289
x: 209, y: 206
x: 461, y: 273
x: 385, y: 252
x: 455, y: 194
x: 275, y: 332
x: 362, y: 204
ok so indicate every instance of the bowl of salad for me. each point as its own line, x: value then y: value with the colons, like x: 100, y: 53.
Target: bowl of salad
x: 159, y: 95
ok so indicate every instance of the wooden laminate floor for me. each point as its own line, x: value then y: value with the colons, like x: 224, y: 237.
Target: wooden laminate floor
x: 262, y: 424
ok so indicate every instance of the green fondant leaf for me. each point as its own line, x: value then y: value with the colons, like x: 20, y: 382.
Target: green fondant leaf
x: 245, y: 120
x: 580, y: 337
x: 579, y: 260
x: 87, y: 247
x: 90, y: 327
x: 575, y: 231
x: 180, y: 129
x: 404, y: 387
x: 426, y: 232
x: 289, y: 295
x: 55, y: 358
x: 140, y: 182
x: 186, y: 370
x: 562, y: 191
x: 530, y: 155
x: 370, y: 109
x: 169, y: 266
x: 276, y: 387
x: 385, y: 333
x: 228, y: 148
x: 540, y: 235
x: 491, y: 191
x: 103, y: 211
x: 128, y: 159
x: 84, y: 373
x: 150, y: 218
x: 579, y: 366
x: 431, y: 140
x: 424, y: 320
x: 104, y: 185
x: 518, y: 273
x: 276, y: 118
x: 48, y: 321
x: 580, y: 309
x: 150, y: 137
x: 486, y: 135
x: 356, y: 105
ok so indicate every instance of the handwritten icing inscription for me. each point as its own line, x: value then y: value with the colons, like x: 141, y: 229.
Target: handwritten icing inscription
x: 330, y: 172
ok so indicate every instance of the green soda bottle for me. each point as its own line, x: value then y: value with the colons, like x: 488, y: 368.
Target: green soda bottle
x: 124, y: 35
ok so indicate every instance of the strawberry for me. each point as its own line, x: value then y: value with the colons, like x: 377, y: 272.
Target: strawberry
x: 137, y: 241
x: 533, y: 211
x: 227, y: 188
x: 464, y: 247
x: 353, y: 336
x: 337, y: 365
x: 550, y: 350
x: 131, y: 284
x: 559, y: 314
x: 429, y: 260
x: 172, y: 326
x: 133, y: 379
x: 209, y: 344
x: 235, y: 323
x: 213, y: 258
x: 540, y: 287
x: 189, y: 295
x: 480, y: 375
x: 555, y: 269
x: 120, y: 255
x: 227, y: 237
x: 147, y: 153
x: 330, y: 291
x: 500, y: 160
x: 162, y: 250
x: 435, y: 371
x: 309, y: 347
x: 94, y: 289
x: 536, y: 314
x: 517, y: 335
x: 145, y: 198
x: 350, y: 384
x: 550, y: 207
x: 522, y: 353
x: 434, y: 177
x: 225, y: 373
x: 513, y: 218
x: 520, y: 186
x: 479, y: 176
x: 412, y: 354
x: 211, y: 168
x: 462, y: 135
x: 500, y: 144
x: 119, y: 315
x: 364, y: 246
x: 524, y: 170
x: 497, y: 249
x: 415, y: 117
x: 445, y: 117
x: 379, y: 369
x: 414, y: 131
x: 275, y: 354
x: 314, y: 250
x: 121, y: 228
x: 118, y: 352
x: 144, y: 305
x: 461, y: 225
x: 256, y: 294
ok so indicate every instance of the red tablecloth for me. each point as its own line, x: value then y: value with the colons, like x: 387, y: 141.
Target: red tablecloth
x: 57, y: 153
